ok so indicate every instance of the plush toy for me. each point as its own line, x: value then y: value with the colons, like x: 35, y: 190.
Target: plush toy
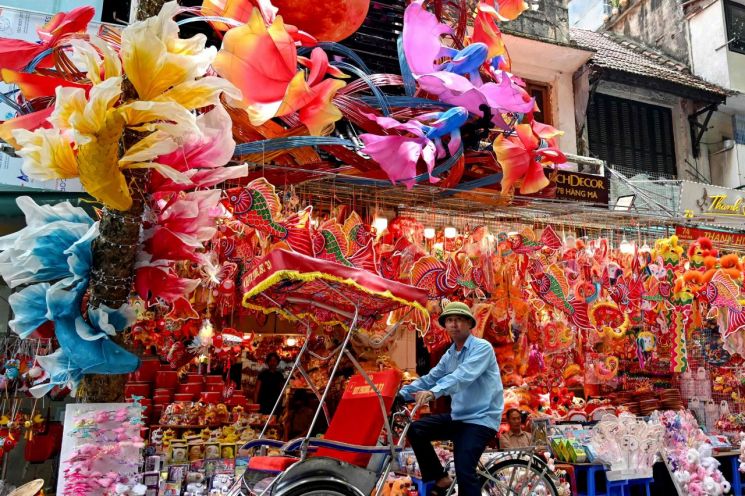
x: 699, y: 250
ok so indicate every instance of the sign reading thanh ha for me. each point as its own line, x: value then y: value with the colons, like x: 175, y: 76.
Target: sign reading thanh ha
x: 707, y: 204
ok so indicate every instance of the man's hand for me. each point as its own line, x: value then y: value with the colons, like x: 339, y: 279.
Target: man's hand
x: 423, y: 397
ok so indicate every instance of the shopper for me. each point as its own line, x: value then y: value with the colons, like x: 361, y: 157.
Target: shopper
x: 269, y: 385
x: 516, y: 437
x: 469, y: 374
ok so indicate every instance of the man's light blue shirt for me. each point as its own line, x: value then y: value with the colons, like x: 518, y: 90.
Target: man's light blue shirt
x: 471, y: 378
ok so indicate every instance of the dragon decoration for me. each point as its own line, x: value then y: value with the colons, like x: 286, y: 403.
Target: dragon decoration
x: 193, y: 113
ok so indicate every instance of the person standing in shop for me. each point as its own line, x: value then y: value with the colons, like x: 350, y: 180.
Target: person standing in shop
x: 516, y: 437
x: 269, y: 385
x: 469, y: 374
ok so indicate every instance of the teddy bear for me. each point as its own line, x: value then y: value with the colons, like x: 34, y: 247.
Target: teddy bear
x: 229, y: 435
x: 397, y: 486
x: 221, y: 413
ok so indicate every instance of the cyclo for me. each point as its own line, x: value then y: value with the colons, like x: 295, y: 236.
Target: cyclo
x: 361, y: 445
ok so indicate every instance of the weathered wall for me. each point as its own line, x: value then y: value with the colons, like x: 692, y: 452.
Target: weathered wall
x: 724, y: 164
x: 547, y: 19
x: 708, y: 38
x: 657, y: 23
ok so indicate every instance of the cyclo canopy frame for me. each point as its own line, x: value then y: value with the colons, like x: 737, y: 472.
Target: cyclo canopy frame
x: 311, y: 291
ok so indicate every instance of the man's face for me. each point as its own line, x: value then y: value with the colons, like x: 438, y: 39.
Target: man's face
x: 457, y: 327
x: 273, y: 363
x: 514, y: 420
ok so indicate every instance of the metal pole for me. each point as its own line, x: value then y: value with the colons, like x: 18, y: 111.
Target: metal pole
x: 294, y: 365
x: 331, y: 379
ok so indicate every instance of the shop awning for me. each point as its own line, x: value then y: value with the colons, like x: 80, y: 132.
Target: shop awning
x: 302, y: 287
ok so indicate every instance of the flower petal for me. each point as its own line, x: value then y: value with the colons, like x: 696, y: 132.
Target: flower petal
x: 200, y: 92
x: 155, y: 59
x: 534, y: 180
x: 156, y: 115
x: 165, y: 170
x: 47, y: 154
x: 34, y: 85
x: 68, y: 102
x: 509, y: 10
x: 102, y: 97
x: 422, y: 35
x: 149, y: 147
x: 98, y: 163
x: 398, y: 155
x: 514, y: 160
x: 34, y: 120
x: 261, y: 62
x: 62, y: 23
x: 485, y: 31
x: 320, y: 113
x: 213, y: 147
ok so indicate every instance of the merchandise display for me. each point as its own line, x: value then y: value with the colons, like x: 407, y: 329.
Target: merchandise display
x: 269, y: 230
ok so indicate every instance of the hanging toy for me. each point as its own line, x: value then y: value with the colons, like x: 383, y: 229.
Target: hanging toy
x: 12, y: 369
x: 646, y: 343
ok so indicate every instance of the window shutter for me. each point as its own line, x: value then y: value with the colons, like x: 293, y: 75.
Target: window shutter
x: 633, y: 135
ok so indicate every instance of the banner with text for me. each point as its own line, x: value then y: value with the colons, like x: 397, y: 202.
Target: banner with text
x: 582, y: 187
x: 691, y: 234
x: 707, y: 204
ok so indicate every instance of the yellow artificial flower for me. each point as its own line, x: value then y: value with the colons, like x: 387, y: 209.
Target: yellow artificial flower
x: 167, y: 74
x: 47, y: 154
x: 155, y: 59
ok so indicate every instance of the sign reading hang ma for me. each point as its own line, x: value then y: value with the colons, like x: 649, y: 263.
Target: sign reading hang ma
x: 582, y: 187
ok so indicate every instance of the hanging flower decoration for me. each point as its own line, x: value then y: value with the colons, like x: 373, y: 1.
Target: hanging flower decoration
x: 166, y: 75
x: 263, y: 62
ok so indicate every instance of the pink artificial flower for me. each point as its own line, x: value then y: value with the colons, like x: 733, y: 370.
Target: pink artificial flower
x: 202, y: 157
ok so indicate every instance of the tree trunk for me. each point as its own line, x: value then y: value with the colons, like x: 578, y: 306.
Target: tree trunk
x: 148, y: 8
x: 114, y: 254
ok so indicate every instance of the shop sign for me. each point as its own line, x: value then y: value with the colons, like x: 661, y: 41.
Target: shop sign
x: 712, y: 204
x: 691, y: 233
x: 582, y: 187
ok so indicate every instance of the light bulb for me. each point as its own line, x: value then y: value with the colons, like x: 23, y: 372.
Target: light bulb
x: 291, y: 341
x: 626, y: 247
x: 380, y: 224
x: 450, y: 232
x: 206, y: 331
x: 429, y: 232
x: 314, y: 222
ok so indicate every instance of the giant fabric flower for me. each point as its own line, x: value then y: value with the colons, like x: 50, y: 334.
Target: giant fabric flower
x: 85, y: 140
x: 16, y: 54
x: 86, y: 128
x: 508, y: 10
x: 522, y: 160
x: 56, y: 247
x: 263, y: 62
x: 424, y: 52
x: 486, y: 31
x: 202, y: 157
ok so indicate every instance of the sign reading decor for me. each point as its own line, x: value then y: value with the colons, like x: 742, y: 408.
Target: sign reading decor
x: 582, y: 187
x: 690, y: 234
x: 712, y: 204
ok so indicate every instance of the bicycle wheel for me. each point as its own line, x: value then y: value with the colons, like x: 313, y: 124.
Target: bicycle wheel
x: 518, y: 477
x: 320, y: 488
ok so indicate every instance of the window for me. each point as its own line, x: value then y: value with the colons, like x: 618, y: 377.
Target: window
x: 542, y: 94
x: 633, y: 135
x: 734, y: 14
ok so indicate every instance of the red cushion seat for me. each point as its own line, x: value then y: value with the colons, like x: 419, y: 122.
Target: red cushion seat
x: 274, y: 464
x: 358, y: 418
